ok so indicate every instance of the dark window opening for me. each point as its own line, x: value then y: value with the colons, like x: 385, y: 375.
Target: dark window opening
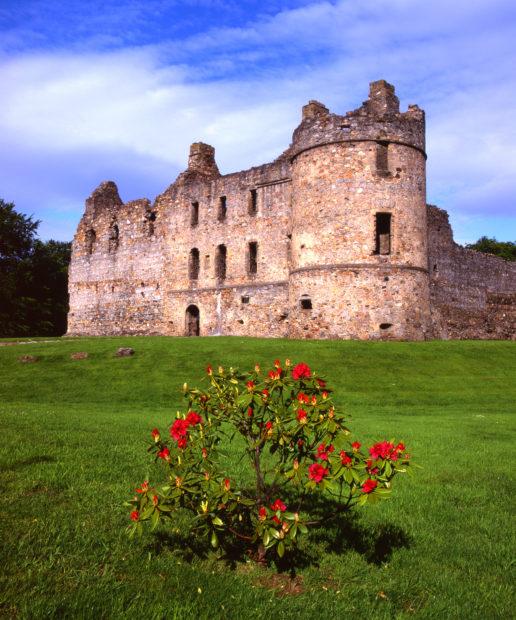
x: 252, y: 264
x: 114, y: 235
x: 221, y: 215
x: 435, y: 267
x: 383, y: 233
x: 305, y: 302
x: 244, y: 299
x: 220, y: 263
x: 194, y: 214
x: 253, y: 202
x: 150, y: 218
x: 241, y: 321
x: 193, y: 264
x: 192, y: 321
x: 382, y: 159
x: 385, y: 325
x: 91, y: 238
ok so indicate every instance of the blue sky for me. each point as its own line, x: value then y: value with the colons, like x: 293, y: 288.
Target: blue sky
x: 119, y: 89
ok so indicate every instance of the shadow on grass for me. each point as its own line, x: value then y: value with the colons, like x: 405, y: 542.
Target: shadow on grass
x: 335, y: 535
x: 33, y: 460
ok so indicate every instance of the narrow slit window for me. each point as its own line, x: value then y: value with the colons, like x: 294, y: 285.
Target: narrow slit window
x: 220, y: 263
x: 91, y: 238
x: 253, y: 202
x: 222, y: 211
x: 382, y: 159
x: 383, y: 233
x: 252, y: 264
x: 194, y: 214
x: 193, y: 264
x: 150, y: 218
x: 114, y: 237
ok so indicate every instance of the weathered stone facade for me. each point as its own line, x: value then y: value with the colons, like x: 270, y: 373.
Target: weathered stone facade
x: 331, y: 240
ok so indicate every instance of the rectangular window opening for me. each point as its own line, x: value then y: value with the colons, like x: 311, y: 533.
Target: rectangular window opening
x: 252, y: 265
x: 194, y: 214
x: 382, y: 159
x: 220, y: 263
x: 253, y: 202
x: 245, y: 299
x: 221, y: 214
x: 383, y: 233
x: 194, y: 264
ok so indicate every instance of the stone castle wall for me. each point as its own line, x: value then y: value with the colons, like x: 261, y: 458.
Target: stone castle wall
x: 473, y: 295
x: 331, y: 240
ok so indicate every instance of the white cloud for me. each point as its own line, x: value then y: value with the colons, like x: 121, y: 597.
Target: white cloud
x: 241, y: 90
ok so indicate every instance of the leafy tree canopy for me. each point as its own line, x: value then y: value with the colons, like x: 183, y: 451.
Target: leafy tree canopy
x: 33, y: 278
x: 503, y: 249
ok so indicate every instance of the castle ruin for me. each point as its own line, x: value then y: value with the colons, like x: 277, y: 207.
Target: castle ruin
x: 333, y: 239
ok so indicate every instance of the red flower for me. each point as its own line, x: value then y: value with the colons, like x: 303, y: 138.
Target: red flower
x: 143, y: 488
x: 262, y: 513
x: 268, y: 425
x: 301, y: 416
x: 325, y: 395
x: 303, y: 398
x: 227, y: 484
x: 193, y: 418
x: 301, y: 371
x: 272, y: 374
x: 209, y: 369
x: 179, y: 429
x: 182, y: 443
x: 155, y: 434
x: 356, y: 445
x: 155, y: 500
x: 317, y: 472
x: 369, y: 485
x: 369, y: 466
x: 323, y: 451
x: 278, y: 505
x: 277, y: 363
x: 257, y: 368
x: 300, y: 443
x: 276, y: 520
x: 265, y: 393
x: 314, y: 400
x: 164, y: 454
x: 382, y: 450
x: 400, y: 447
x: 250, y: 412
x: 250, y: 385
x: 321, y: 383
x: 134, y: 516
x: 345, y: 459
x: 204, y: 453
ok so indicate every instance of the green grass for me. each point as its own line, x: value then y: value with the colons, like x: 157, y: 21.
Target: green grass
x: 73, y: 450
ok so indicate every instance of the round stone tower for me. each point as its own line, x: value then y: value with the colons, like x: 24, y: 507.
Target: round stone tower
x: 359, y: 259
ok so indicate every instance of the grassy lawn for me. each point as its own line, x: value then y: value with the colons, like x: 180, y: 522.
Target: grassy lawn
x: 74, y: 436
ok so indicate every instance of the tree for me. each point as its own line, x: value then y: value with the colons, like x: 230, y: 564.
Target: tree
x: 503, y: 249
x: 33, y: 278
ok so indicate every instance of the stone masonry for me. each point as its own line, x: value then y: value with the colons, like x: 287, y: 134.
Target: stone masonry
x: 333, y: 239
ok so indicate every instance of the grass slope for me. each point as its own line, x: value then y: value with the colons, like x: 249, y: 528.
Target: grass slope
x: 73, y: 450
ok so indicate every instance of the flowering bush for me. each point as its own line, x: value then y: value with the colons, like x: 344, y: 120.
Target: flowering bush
x: 296, y: 443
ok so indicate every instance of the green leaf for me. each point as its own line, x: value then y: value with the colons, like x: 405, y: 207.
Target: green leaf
x: 274, y: 533
x: 302, y: 528
x: 214, y: 540
x: 217, y: 521
x: 281, y: 549
x: 154, y: 519
x: 266, y: 537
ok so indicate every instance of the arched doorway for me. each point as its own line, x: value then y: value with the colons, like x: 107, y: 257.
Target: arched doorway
x: 192, y: 321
